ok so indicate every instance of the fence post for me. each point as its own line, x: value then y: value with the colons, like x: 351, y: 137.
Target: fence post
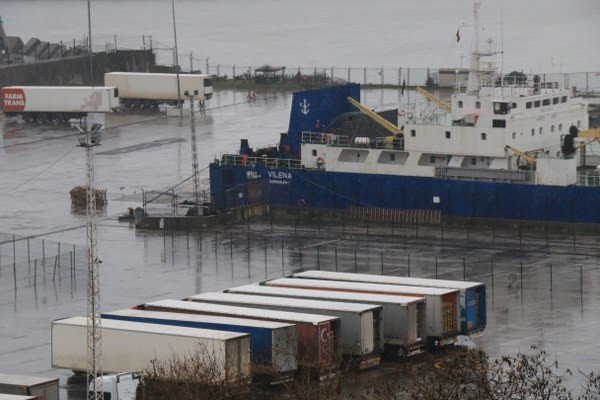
x: 399, y: 76
x: 332, y: 73
x: 207, y: 67
x: 234, y: 71
x: 115, y: 35
x: 191, y: 62
x: 336, y: 260
x: 381, y: 263
x: 348, y: 74
x: 581, y: 285
x: 464, y: 268
x: 318, y: 259
x: 408, y: 76
x: 355, y: 262
x: 382, y: 79
x: 218, y: 69
x: 282, y: 261
x: 492, y: 268
x: 365, y: 76
x: 265, y: 242
x: 408, y: 263
x: 436, y: 266
x: 551, y: 277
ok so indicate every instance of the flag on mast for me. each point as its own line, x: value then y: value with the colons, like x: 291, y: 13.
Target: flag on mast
x: 458, y: 35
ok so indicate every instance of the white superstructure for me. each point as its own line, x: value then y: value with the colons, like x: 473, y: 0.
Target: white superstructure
x: 471, y: 141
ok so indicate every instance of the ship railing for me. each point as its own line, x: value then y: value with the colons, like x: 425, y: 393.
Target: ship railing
x: 588, y: 179
x: 332, y: 139
x: 241, y: 160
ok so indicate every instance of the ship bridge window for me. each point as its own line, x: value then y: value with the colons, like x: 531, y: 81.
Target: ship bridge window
x: 546, y: 102
x: 552, y: 128
x: 460, y: 104
x: 536, y: 103
x: 555, y: 100
x: 541, y: 130
x: 483, y: 136
x: 513, y: 105
x: 413, y: 133
x: 500, y: 108
x: 579, y: 124
x: 116, y: 92
x: 314, y: 152
x: 477, y: 104
x: 514, y: 135
x: 563, y: 99
x: 532, y: 131
x: 529, y: 104
x: 498, y: 123
x: 560, y: 127
x: 448, y: 134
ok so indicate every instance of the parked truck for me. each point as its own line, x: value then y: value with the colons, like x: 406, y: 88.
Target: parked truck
x: 442, y: 306
x: 403, y: 316
x: 318, y: 335
x: 57, y: 103
x: 361, y: 332
x: 29, y: 386
x: 473, y: 314
x: 138, y: 89
x: 131, y: 346
x: 121, y: 386
x: 273, y: 343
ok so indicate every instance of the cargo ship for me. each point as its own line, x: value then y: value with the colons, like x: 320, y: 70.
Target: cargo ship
x: 509, y: 149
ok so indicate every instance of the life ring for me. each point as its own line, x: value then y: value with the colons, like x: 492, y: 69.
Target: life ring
x: 320, y: 162
x: 301, y: 203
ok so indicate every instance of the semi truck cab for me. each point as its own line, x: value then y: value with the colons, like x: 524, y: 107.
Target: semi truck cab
x: 121, y: 386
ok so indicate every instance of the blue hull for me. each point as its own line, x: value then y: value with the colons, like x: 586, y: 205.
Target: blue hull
x: 234, y: 186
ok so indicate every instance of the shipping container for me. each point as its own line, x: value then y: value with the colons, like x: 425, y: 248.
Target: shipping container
x: 4, y: 396
x: 473, y: 313
x: 318, y: 340
x: 147, y: 89
x: 403, y: 316
x: 273, y: 343
x: 22, y: 385
x: 361, y: 333
x: 131, y: 346
x: 59, y: 103
x: 442, y: 306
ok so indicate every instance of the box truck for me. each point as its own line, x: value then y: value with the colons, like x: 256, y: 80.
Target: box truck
x: 318, y: 335
x: 57, y: 103
x: 273, y: 343
x: 131, y: 346
x: 35, y: 386
x: 403, y: 315
x: 442, y: 306
x: 361, y: 333
x: 138, y: 89
x: 473, y: 313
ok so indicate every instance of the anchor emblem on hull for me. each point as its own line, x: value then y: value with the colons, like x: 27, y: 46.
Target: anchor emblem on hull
x: 305, y: 107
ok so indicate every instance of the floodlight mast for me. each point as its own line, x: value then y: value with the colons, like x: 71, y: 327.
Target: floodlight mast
x: 88, y: 139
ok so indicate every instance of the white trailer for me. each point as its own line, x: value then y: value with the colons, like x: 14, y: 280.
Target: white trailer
x: 472, y: 294
x: 403, y: 315
x: 150, y: 89
x: 57, y: 103
x: 273, y: 343
x: 131, y: 346
x: 442, y: 306
x: 361, y: 333
x: 24, y: 386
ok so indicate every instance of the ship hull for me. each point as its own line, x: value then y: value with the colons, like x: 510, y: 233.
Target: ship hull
x: 237, y: 186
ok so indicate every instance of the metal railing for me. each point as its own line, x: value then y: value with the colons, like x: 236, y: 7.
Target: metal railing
x: 241, y: 160
x: 588, y: 180
x: 331, y: 139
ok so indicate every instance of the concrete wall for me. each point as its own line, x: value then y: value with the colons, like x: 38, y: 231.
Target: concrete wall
x: 76, y: 70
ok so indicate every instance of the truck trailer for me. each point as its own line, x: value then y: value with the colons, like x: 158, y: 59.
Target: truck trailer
x: 318, y: 335
x: 138, y: 89
x: 131, y: 346
x: 25, y: 386
x: 57, y: 103
x: 361, y: 332
x: 273, y: 343
x: 473, y: 315
x: 442, y: 306
x: 403, y: 316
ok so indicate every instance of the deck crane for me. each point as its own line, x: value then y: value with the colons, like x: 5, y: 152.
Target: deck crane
x: 435, y: 100
x: 376, y: 117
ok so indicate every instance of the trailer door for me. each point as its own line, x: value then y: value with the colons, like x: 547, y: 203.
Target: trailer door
x: 367, y: 333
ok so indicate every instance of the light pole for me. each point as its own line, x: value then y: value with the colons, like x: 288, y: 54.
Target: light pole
x: 88, y: 139
x: 89, y: 10
x: 176, y: 62
x: 196, y: 179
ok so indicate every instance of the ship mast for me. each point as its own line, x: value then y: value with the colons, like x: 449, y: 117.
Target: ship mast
x: 474, y: 83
